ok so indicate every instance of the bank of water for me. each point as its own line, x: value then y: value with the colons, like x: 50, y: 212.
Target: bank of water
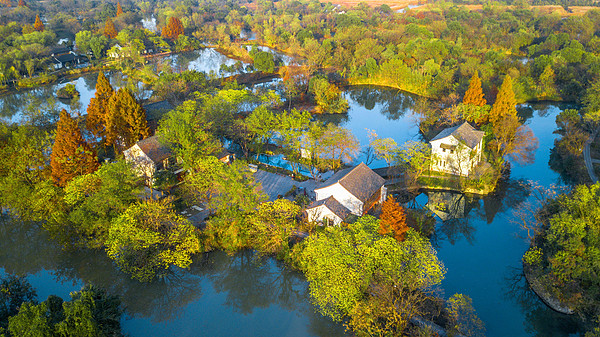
x: 219, y: 295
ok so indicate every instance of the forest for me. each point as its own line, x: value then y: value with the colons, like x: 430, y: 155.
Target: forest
x: 65, y: 171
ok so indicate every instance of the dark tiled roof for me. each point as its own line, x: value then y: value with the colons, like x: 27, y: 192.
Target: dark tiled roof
x: 464, y: 132
x: 65, y: 58
x: 333, y: 205
x: 156, y: 151
x: 161, y: 105
x: 359, y: 180
x: 60, y: 50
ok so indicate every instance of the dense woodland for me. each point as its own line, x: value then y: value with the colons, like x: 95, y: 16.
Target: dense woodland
x: 67, y: 172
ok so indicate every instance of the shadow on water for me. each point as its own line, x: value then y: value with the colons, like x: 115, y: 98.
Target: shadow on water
x: 540, y: 320
x: 244, y: 285
x: 393, y: 103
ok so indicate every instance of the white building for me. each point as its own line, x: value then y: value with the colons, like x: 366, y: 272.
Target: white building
x: 148, y: 156
x: 457, y: 150
x: 349, y: 191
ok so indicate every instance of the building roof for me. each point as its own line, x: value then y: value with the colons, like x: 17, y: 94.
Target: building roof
x: 156, y: 151
x: 65, y: 58
x: 334, y: 206
x: 464, y: 132
x: 57, y: 50
x: 359, y: 180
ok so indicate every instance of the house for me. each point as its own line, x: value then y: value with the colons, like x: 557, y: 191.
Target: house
x: 148, y: 156
x: 225, y: 156
x: 457, y: 150
x: 350, y: 191
x: 62, y: 57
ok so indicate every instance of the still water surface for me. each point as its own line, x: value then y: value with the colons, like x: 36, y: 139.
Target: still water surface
x: 222, y: 295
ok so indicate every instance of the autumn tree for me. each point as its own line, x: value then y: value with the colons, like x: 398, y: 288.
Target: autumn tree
x: 393, y: 219
x: 97, y: 111
x: 22, y: 3
x: 38, y: 25
x: 173, y: 29
x: 71, y: 155
x: 6, y: 3
x: 126, y: 121
x: 109, y: 29
x: 119, y: 9
x: 505, y: 104
x: 474, y: 94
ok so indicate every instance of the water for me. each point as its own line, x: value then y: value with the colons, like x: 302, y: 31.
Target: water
x: 262, y: 296
x: 481, y: 248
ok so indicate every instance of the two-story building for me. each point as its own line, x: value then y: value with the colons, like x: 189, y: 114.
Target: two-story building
x: 457, y: 150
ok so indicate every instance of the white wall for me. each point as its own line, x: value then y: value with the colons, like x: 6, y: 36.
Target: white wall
x: 142, y: 164
x: 457, y: 161
x: 342, y: 196
x: 317, y: 214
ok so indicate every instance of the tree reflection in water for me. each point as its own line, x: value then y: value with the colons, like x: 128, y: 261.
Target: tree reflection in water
x: 540, y: 320
x: 394, y: 103
x: 250, y: 283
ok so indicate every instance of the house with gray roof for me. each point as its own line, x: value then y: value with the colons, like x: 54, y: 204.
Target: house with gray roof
x: 457, y: 150
x: 148, y: 156
x: 350, y: 191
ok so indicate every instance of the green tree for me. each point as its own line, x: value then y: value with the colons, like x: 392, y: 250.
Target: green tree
x: 186, y: 135
x: 272, y: 225
x: 328, y: 97
x: 384, y: 148
x: 14, y: 291
x: 71, y: 155
x: 342, y: 264
x: 463, y: 319
x: 149, y: 237
x: 416, y: 156
x: 92, y: 201
x: 339, y: 144
x: 263, y: 61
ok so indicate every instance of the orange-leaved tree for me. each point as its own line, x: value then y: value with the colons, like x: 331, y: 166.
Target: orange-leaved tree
x: 474, y: 94
x: 109, y: 29
x: 119, y: 9
x: 505, y: 104
x: 71, y: 155
x: 126, y: 121
x: 22, y: 3
x: 97, y: 110
x: 38, y: 25
x: 393, y: 219
x: 173, y: 29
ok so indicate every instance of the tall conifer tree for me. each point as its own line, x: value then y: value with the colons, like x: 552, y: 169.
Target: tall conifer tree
x: 173, y: 29
x: 109, y: 29
x: 38, y: 25
x: 119, y: 9
x: 474, y: 94
x: 71, y: 155
x: 126, y: 122
x: 505, y: 104
x: 22, y: 3
x: 97, y: 110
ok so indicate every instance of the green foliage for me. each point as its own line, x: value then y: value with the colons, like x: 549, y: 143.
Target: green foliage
x: 92, y: 201
x: 463, y: 319
x: 533, y: 256
x: 90, y: 312
x: 328, y: 97
x: 148, y: 238
x: 341, y: 263
x: 263, y: 61
x: 14, y: 290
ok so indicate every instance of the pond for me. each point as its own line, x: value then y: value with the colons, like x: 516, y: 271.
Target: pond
x: 481, y: 246
x: 16, y: 104
x: 261, y: 295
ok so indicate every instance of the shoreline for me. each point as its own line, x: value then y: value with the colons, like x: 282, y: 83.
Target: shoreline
x: 547, y: 298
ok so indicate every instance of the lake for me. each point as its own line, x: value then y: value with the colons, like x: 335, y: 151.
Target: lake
x: 481, y: 248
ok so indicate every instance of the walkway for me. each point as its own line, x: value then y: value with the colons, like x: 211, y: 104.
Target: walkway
x: 274, y: 184
x: 588, y: 158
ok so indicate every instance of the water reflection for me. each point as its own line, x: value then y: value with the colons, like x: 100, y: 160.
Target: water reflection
x: 392, y: 103
x: 540, y: 321
x: 242, y: 286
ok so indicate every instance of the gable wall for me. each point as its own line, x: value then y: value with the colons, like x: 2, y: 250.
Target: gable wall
x: 342, y: 196
x: 458, y: 161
